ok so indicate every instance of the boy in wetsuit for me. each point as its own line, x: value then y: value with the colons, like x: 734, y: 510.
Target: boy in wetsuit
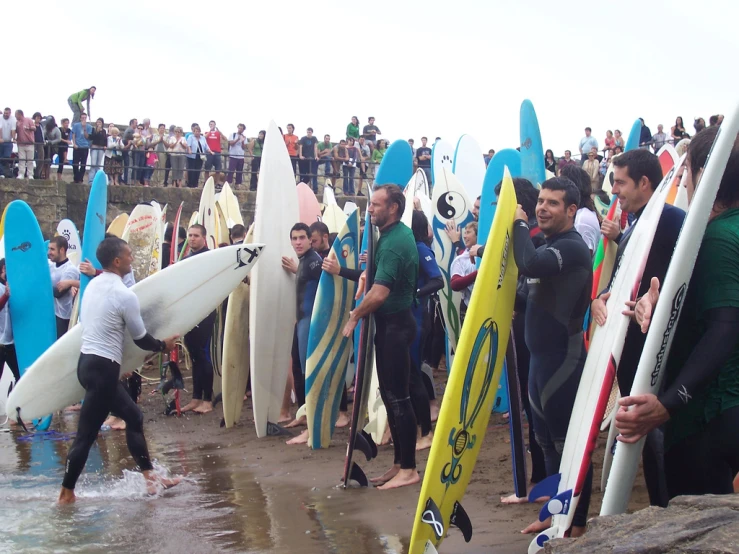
x: 308, y: 272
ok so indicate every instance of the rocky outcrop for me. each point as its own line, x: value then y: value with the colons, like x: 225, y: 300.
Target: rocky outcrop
x: 690, y: 524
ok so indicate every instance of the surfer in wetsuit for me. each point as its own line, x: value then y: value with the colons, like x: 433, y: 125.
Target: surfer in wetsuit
x: 527, y: 196
x: 636, y: 176
x: 429, y: 282
x: 699, y: 406
x: 559, y: 279
x: 64, y: 277
x: 198, y: 339
x: 390, y: 299
x: 308, y: 272
x: 108, y: 310
x: 320, y: 241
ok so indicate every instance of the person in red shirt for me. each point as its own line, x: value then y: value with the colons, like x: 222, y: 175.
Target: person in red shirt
x: 213, y: 159
x: 291, y: 141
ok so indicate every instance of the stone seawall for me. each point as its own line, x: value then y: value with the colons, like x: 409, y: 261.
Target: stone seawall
x: 53, y: 201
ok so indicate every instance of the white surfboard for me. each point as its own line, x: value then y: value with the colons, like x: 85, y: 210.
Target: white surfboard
x: 469, y: 165
x: 172, y: 302
x: 139, y: 233
x: 417, y: 187
x: 156, y: 246
x: 272, y: 299
x: 599, y: 373
x: 650, y: 371
x: 333, y: 216
x: 68, y: 230
x: 442, y: 157
x: 207, y: 213
x: 349, y: 207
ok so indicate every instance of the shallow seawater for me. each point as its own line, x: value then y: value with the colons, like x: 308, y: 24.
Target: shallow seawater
x: 217, y: 507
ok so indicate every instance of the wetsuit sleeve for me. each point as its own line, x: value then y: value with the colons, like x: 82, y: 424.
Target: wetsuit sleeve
x: 434, y: 285
x: 710, y: 354
x: 314, y: 268
x: 147, y: 342
x: 481, y: 251
x: 532, y: 262
x: 522, y: 295
x: 460, y: 282
x: 350, y: 274
x: 459, y: 246
x: 132, y: 316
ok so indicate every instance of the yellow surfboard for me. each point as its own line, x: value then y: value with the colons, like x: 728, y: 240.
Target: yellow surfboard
x: 117, y: 226
x: 473, y: 382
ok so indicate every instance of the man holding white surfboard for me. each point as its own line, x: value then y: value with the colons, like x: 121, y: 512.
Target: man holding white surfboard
x: 636, y: 176
x: 110, y: 309
x: 559, y: 278
x: 64, y: 277
x: 197, y: 340
x: 390, y: 299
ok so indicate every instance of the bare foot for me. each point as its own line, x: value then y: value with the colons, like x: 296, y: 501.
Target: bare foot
x: 285, y: 417
x: 425, y: 442
x: 385, y: 477
x: 154, y: 482
x: 537, y: 527
x: 111, y: 419
x: 73, y: 408
x: 343, y: 420
x: 118, y: 424
x: 513, y: 499
x: 302, y: 438
x: 203, y: 408
x: 387, y: 438
x: 434, y: 404
x: 66, y: 496
x: 297, y: 422
x: 404, y: 478
x: 191, y: 405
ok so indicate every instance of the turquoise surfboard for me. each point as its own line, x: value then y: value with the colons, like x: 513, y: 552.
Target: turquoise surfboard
x: 31, y: 298
x: 510, y: 158
x: 396, y: 167
x: 532, y: 149
x: 94, y: 231
x: 328, y: 349
x: 632, y: 142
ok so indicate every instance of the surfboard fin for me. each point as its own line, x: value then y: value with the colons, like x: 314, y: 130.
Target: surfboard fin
x: 547, y: 487
x: 364, y: 443
x: 217, y: 399
x: 356, y: 474
x: 430, y: 548
x: 301, y: 412
x: 43, y: 424
x: 19, y: 420
x: 538, y: 543
x: 557, y: 505
x: 461, y: 521
x: 275, y: 430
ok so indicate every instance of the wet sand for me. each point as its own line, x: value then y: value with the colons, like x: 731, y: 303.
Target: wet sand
x: 244, y: 494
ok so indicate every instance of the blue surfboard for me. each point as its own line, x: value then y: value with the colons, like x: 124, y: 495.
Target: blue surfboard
x: 510, y: 158
x: 31, y: 297
x: 94, y: 231
x: 328, y: 349
x: 632, y: 143
x: 396, y: 167
x: 532, y: 149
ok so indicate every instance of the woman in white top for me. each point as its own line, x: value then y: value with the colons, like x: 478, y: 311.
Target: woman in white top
x: 586, y: 219
x: 113, y: 164
x: 178, y: 148
x: 7, y: 345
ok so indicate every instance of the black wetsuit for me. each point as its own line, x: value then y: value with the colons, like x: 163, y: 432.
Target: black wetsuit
x: 559, y: 279
x: 197, y: 342
x: 309, y: 272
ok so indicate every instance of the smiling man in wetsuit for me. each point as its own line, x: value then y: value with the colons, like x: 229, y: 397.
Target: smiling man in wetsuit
x: 198, y: 339
x: 391, y: 297
x: 308, y: 272
x: 108, y: 310
x: 559, y: 278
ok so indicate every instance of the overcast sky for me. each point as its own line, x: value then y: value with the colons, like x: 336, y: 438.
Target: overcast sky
x: 432, y: 67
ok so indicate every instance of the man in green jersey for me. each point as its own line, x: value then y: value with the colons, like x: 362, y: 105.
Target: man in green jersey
x: 390, y: 299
